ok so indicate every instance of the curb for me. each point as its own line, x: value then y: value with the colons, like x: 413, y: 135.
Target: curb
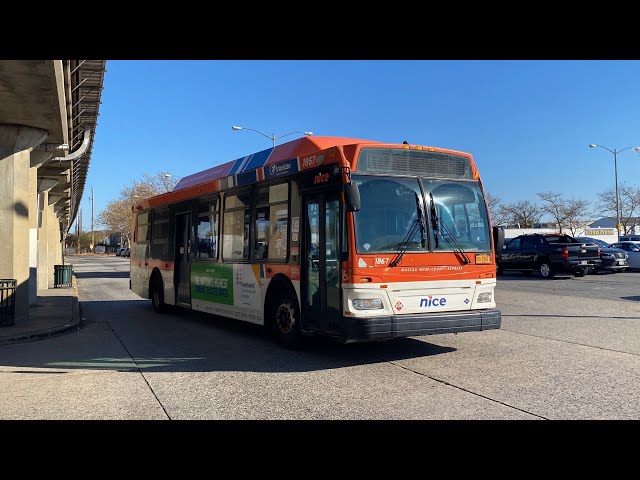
x: 74, y: 324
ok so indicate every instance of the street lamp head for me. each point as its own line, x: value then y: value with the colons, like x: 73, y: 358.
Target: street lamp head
x: 591, y: 145
x: 308, y: 134
x: 236, y: 128
x: 636, y: 149
x: 167, y: 175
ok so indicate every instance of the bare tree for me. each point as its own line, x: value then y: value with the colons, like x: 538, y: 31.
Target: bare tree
x: 554, y: 205
x: 629, y: 205
x: 501, y: 216
x: 117, y: 214
x: 523, y: 213
x: 497, y: 212
x: 575, y: 215
x: 567, y: 213
x: 492, y: 202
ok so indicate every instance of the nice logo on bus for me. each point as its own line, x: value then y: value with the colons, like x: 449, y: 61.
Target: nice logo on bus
x: 321, y: 178
x: 430, y: 301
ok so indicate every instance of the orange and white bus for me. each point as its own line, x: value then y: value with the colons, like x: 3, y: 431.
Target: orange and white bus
x: 355, y: 239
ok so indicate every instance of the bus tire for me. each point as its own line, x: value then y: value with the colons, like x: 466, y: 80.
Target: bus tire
x: 283, y: 319
x: 157, y: 294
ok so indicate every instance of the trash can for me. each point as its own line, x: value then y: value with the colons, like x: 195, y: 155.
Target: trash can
x: 7, y: 301
x: 62, y: 275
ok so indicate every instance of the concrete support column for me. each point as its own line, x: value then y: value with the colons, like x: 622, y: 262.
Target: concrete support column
x: 38, y: 188
x: 33, y: 235
x: 59, y: 239
x: 16, y: 143
x: 43, y: 242
x: 53, y: 243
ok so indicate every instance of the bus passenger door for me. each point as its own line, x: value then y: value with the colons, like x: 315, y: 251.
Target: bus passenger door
x: 182, y: 268
x: 320, y: 281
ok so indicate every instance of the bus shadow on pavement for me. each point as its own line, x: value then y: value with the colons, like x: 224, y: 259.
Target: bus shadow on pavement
x: 316, y: 353
x: 635, y: 298
x: 193, y: 342
x: 101, y: 274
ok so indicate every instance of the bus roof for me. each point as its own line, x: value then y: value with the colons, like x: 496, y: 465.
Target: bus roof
x: 253, y: 167
x: 280, y: 153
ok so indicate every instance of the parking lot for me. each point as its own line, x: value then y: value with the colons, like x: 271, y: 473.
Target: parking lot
x: 623, y: 286
x: 568, y: 348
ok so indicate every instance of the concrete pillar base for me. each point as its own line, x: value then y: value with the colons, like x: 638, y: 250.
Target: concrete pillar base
x: 16, y: 143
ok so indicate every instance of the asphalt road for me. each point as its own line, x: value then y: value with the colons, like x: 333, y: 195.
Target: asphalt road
x: 568, y: 349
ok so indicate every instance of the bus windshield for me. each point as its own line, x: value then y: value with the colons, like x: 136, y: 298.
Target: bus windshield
x: 390, y: 211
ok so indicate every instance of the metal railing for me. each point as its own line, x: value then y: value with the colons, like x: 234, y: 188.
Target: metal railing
x: 8, y: 301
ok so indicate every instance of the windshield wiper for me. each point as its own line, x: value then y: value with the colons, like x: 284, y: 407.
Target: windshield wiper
x: 448, y: 236
x: 423, y: 225
x: 434, y: 218
x: 451, y: 240
x: 418, y: 222
x: 405, y: 243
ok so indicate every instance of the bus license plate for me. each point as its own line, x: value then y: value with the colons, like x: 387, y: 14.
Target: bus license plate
x: 583, y: 262
x: 483, y: 258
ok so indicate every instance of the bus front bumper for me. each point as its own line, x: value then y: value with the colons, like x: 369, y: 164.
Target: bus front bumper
x: 384, y: 328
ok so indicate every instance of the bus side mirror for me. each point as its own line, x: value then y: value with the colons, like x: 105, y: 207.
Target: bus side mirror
x: 352, y: 197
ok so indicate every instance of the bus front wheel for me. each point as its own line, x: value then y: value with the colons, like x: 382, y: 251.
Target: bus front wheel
x: 284, y: 321
x: 157, y: 295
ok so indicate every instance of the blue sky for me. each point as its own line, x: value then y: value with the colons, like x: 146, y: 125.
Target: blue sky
x: 527, y: 123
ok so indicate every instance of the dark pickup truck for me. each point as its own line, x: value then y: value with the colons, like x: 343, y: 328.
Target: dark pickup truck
x: 548, y: 254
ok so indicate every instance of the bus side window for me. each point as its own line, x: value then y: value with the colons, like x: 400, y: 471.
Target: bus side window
x: 235, y: 227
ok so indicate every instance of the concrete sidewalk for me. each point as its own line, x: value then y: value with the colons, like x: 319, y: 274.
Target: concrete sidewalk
x: 55, y: 311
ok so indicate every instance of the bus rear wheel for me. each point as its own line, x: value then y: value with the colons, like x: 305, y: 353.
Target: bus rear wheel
x: 283, y: 321
x: 157, y: 295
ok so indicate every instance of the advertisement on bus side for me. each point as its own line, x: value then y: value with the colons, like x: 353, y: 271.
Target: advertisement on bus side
x: 235, y: 284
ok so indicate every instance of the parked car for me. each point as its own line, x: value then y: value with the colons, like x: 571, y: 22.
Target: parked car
x: 548, y: 254
x: 632, y: 250
x: 630, y: 238
x: 126, y: 252
x: 613, y: 259
x: 119, y: 251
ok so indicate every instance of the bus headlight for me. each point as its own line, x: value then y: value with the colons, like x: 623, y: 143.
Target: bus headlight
x: 367, y: 303
x: 484, y: 297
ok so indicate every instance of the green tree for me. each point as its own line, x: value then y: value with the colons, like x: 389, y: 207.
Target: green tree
x: 84, y: 242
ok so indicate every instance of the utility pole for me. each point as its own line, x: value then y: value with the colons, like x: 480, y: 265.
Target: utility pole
x: 79, y: 226
x: 93, y: 243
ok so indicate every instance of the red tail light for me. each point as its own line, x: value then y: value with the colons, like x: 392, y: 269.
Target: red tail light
x: 565, y: 253
x: 598, y: 251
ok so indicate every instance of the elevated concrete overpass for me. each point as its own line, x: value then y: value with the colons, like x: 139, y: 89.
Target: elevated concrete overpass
x: 48, y: 118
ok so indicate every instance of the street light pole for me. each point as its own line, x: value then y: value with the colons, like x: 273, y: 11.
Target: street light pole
x: 273, y: 137
x: 93, y: 248
x: 615, y: 167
